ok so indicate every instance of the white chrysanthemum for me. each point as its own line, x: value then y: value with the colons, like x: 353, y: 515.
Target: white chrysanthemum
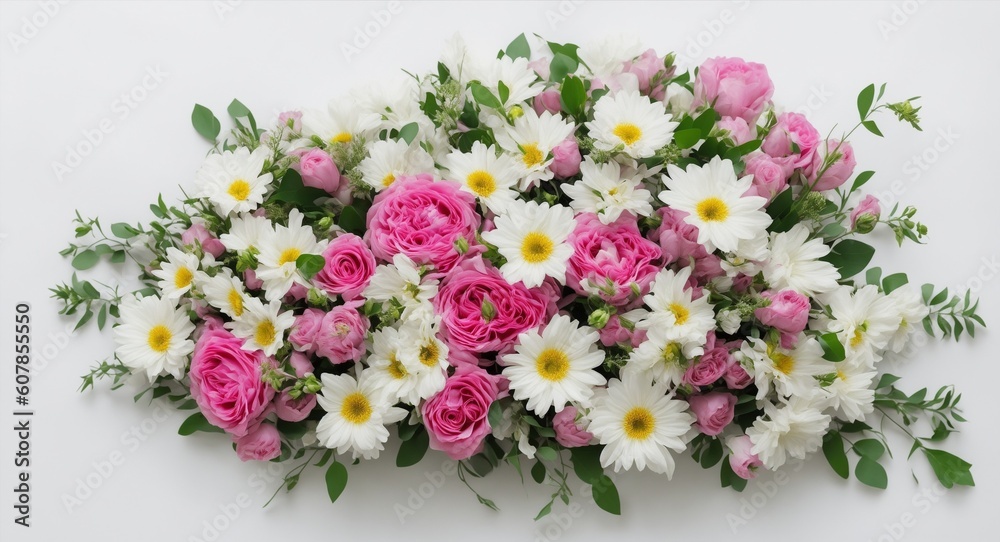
x: 796, y: 429
x: 663, y: 358
x: 424, y: 354
x: 795, y: 263
x: 396, y: 100
x: 514, y: 73
x: 789, y: 372
x: 389, y: 160
x: 865, y: 319
x: 388, y: 371
x: 531, y: 140
x: 154, y: 336
x: 223, y: 291
x: 639, y: 424
x: 532, y: 237
x: 401, y: 282
x: 850, y: 393
x: 340, y: 122
x: 246, y: 232
x: 232, y: 180
x: 263, y: 326
x: 604, y: 191
x: 356, y: 415
x: 279, y: 251
x: 910, y: 307
x: 606, y: 56
x: 747, y: 257
x: 713, y: 198
x: 489, y: 177
x: 176, y: 274
x: 555, y: 367
x: 673, y: 312
x: 629, y: 120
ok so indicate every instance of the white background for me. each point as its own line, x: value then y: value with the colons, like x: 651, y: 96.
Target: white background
x: 62, y: 74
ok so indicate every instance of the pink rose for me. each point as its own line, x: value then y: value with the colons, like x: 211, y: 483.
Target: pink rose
x: 736, y: 377
x: 733, y: 87
x: 294, y: 410
x: 714, y: 411
x: 456, y: 418
x: 838, y: 172
x: 349, y: 267
x: 422, y: 218
x: 709, y: 368
x: 549, y: 101
x: 769, y: 177
x: 566, y: 158
x: 199, y: 234
x: 291, y: 119
x: 645, y: 68
x: 615, y: 333
x: 341, y: 337
x: 300, y: 363
x: 251, y: 281
x: 792, y: 142
x: 318, y: 170
x: 739, y: 130
x: 743, y: 461
x: 679, y: 243
x: 541, y: 67
x: 788, y: 311
x: 303, y: 334
x: 868, y: 206
x: 613, y: 260
x: 568, y: 433
x: 226, y: 382
x: 261, y: 444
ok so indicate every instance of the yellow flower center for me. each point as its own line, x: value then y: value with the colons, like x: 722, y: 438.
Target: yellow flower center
x: 235, y: 299
x: 239, y: 190
x: 859, y: 335
x: 627, y: 132
x: 552, y: 364
x: 532, y: 155
x: 396, y: 368
x: 265, y: 333
x: 159, y: 338
x: 638, y: 423
x: 680, y: 312
x: 783, y: 363
x: 841, y: 375
x: 289, y: 255
x: 671, y: 354
x: 342, y: 137
x: 429, y: 353
x: 712, y: 210
x: 482, y: 183
x: 356, y: 409
x: 182, y: 278
x: 536, y: 247
x: 388, y: 180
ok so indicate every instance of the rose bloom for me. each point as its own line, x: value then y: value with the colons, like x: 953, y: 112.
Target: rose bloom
x: 744, y: 462
x: 792, y: 129
x: 736, y: 377
x: 869, y: 205
x: 296, y: 410
x: 735, y: 88
x: 615, y: 333
x: 714, y: 411
x: 515, y: 308
x: 261, y: 444
x: 566, y: 158
x: 456, y: 417
x: 739, y: 130
x: 788, y: 311
x: 317, y: 170
x: 422, y: 218
x: 608, y: 259
x: 303, y: 334
x: 838, y: 173
x: 709, y: 368
x: 678, y: 241
x: 200, y: 234
x: 644, y: 68
x: 226, y: 382
x: 348, y: 269
x: 341, y: 336
x: 568, y: 433
x: 548, y: 101
x: 769, y: 177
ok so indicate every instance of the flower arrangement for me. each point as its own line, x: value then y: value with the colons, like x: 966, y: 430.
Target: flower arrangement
x: 559, y: 258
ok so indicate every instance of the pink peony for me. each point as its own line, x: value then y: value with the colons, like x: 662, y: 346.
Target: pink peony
x: 709, y: 368
x: 788, y: 311
x: 568, y: 433
x: 317, y: 170
x: 303, y: 334
x: 456, y: 418
x: 792, y: 142
x: 566, y: 158
x: 739, y: 130
x: 548, y: 100
x: 714, y: 411
x: 422, y: 218
x: 261, y: 444
x: 868, y: 206
x: 199, y: 234
x: 611, y: 260
x: 733, y: 87
x: 226, y: 382
x: 743, y: 461
x: 349, y: 267
x: 838, y: 172
x: 341, y: 337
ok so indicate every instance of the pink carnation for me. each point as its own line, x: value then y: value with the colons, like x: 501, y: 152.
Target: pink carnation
x: 612, y: 260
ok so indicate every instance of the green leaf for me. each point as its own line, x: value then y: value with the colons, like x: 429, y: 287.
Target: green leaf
x: 861, y: 179
x: 938, y: 299
x: 894, y: 281
x: 205, y: 123
x: 123, y: 230
x: 712, y: 455
x: 351, y: 220
x: 519, y: 48
x: 833, y: 449
x: 870, y: 448
x: 547, y: 453
x: 102, y: 317
x: 950, y: 469
x: 870, y: 473
x: 85, y: 260
x: 832, y: 349
x: 409, y: 132
x: 546, y: 510
x: 538, y: 472
x: 686, y: 139
x: 236, y: 109
x: 780, y: 205
x: 872, y: 127
x: 197, y: 422
x: 310, y: 264
x: 886, y: 381
x: 874, y: 276
x: 413, y: 450
x: 574, y: 95
x: 336, y: 480
x: 606, y: 495
x: 293, y: 191
x: 850, y: 257
x: 865, y: 100
x: 117, y: 256
x: 561, y: 66
x: 484, y: 96
x: 495, y: 414
x: 587, y: 463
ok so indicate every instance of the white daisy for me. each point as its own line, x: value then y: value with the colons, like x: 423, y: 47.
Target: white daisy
x: 232, y: 180
x: 555, y: 367
x: 279, y: 251
x: 639, y: 424
x: 865, y: 319
x: 796, y: 429
x: 176, y: 274
x: 628, y: 120
x: 396, y: 100
x: 341, y: 122
x: 910, y: 307
x: 401, y: 282
x: 154, y: 336
x: 850, y: 393
x: 389, y: 373
x: 356, y: 415
x: 795, y: 263
x: 246, y: 232
x: 521, y: 81
x: 263, y: 326
x: 673, y: 311
x: 713, y: 198
x: 424, y: 354
x: 663, y: 358
x: 223, y: 291
x: 791, y: 373
x: 531, y: 140
x: 489, y: 177
x: 532, y: 237
x: 606, y: 56
x: 604, y: 191
x: 389, y: 160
